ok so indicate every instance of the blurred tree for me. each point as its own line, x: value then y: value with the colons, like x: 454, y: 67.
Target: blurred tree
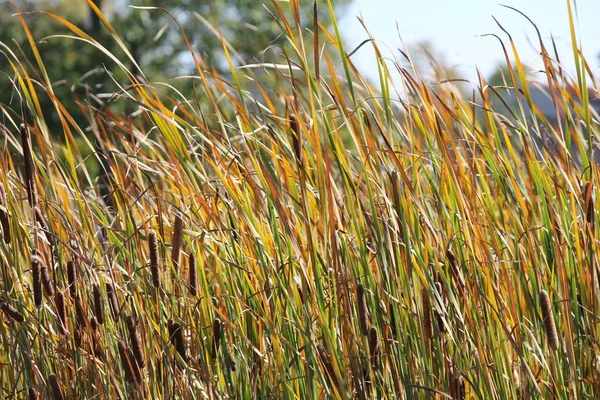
x: 77, y: 70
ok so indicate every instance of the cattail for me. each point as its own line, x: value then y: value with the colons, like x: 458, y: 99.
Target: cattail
x: 217, y: 335
x: 426, y: 321
x: 80, y: 313
x: 37, y: 280
x: 296, y: 137
x: 374, y: 348
x: 457, y: 387
x: 154, y: 260
x: 72, y: 277
x: 135, y: 340
x: 176, y: 336
x: 99, y: 353
x: 29, y: 165
x: 132, y: 372
x: 55, y: 387
x: 4, y: 215
x: 59, y: 302
x: 33, y: 393
x: 98, y: 309
x: 112, y: 301
x: 363, y: 316
x: 326, y: 361
x: 176, y: 241
x: 46, y: 280
x: 231, y: 361
x: 549, y: 325
x: 193, y: 279
x: 11, y: 312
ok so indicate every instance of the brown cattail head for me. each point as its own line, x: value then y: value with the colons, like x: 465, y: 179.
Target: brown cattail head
x: 112, y: 301
x: 29, y: 165
x: 296, y: 137
x: 80, y: 315
x: 549, y: 325
x: 217, y: 335
x: 36, y: 271
x: 176, y: 336
x: 46, y: 280
x: 54, y: 385
x: 363, y: 313
x: 98, y: 306
x: 374, y: 348
x: 457, y: 387
x: 11, y: 312
x: 4, y: 221
x: 154, y: 259
x: 135, y: 340
x: 193, y: 275
x: 426, y: 318
x: 132, y: 372
x: 33, y: 393
x: 326, y: 362
x: 72, y: 278
x: 176, y: 241
x: 59, y: 302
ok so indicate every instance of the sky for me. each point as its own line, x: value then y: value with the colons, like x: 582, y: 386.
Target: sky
x: 455, y: 28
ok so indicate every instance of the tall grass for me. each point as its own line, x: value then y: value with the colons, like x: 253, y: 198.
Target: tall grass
x: 398, y: 240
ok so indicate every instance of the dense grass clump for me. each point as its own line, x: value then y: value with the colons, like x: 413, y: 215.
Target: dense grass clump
x: 319, y: 238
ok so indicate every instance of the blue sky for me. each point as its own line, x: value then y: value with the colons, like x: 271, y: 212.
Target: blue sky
x: 454, y: 27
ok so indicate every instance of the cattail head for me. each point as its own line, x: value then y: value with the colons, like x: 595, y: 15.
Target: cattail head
x: 29, y: 165
x: 132, y: 372
x: 193, y: 284
x: 176, y: 336
x: 36, y: 271
x: 72, y: 278
x: 326, y: 362
x: 550, y: 327
x: 363, y: 316
x: 112, y: 301
x: 177, y: 240
x: 33, y: 393
x: 59, y: 302
x: 4, y: 221
x: 296, y: 137
x: 154, y: 258
x: 11, y: 312
x: 98, y: 304
x: 374, y: 348
x: 80, y: 315
x: 46, y: 280
x: 217, y: 334
x: 55, y: 386
x: 426, y: 318
x: 135, y: 340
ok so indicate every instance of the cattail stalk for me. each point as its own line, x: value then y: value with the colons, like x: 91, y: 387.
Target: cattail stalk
x: 4, y: 221
x: 98, y: 306
x: 363, y: 313
x: 55, y: 387
x: 29, y: 165
x: 193, y: 275
x: 154, y: 259
x: 176, y: 241
x: 135, y: 340
x: 36, y: 263
x: 11, y: 312
x: 549, y: 325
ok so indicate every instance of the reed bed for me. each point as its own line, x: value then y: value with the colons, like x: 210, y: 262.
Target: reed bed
x: 343, y: 239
